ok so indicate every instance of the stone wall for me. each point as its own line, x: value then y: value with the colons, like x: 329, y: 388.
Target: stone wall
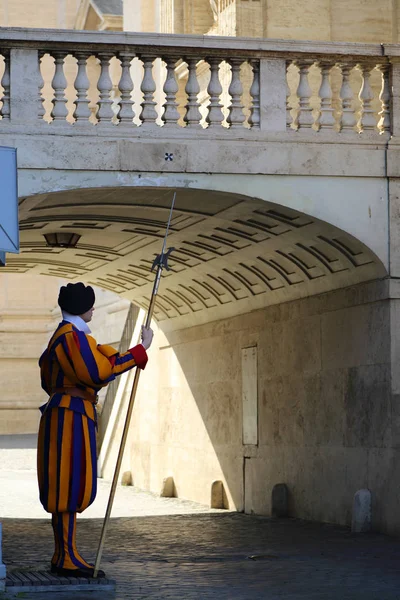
x: 302, y: 19
x: 336, y: 20
x: 168, y: 16
x: 198, y: 16
x: 28, y: 315
x: 324, y: 408
x: 250, y: 21
x: 59, y: 14
x: 328, y: 20
x: 25, y: 318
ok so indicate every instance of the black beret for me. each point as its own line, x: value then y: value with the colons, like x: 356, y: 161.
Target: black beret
x: 76, y: 298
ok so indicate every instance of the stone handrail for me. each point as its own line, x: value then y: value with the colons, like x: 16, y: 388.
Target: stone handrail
x: 125, y: 81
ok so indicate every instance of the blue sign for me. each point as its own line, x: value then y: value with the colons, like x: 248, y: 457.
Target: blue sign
x: 9, y: 230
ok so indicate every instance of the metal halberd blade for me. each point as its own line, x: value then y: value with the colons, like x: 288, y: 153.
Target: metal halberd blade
x: 161, y: 260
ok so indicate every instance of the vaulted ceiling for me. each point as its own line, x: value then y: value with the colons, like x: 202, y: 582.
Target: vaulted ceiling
x: 232, y: 253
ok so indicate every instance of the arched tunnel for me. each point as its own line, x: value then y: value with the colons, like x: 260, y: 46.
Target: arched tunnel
x: 272, y: 358
x: 233, y: 254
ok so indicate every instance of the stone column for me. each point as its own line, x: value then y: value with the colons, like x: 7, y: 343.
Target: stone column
x: 273, y: 94
x: 394, y: 215
x: 24, y: 81
x: 394, y: 85
x: 393, y: 169
x: 395, y: 361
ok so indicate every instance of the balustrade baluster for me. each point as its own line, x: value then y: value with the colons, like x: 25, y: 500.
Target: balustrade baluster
x: 59, y: 84
x: 5, y: 83
x: 289, y: 118
x: 171, y: 114
x: 82, y: 84
x: 305, y: 118
x: 215, y: 115
x: 254, y: 119
x: 348, y: 120
x: 367, y: 121
x: 384, y: 97
x: 105, y: 113
x: 148, y: 87
x: 40, y: 105
x: 126, y: 112
x: 325, y: 119
x: 193, y: 115
x: 236, y: 116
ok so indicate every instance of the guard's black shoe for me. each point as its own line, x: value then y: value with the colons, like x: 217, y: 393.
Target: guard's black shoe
x: 88, y: 573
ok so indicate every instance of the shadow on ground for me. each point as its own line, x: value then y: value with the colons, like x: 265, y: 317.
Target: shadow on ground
x: 18, y: 442
x: 227, y: 556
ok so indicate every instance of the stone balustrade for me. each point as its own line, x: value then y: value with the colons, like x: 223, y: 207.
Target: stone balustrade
x: 129, y: 81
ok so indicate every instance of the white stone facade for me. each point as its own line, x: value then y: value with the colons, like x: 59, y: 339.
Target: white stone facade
x: 327, y: 20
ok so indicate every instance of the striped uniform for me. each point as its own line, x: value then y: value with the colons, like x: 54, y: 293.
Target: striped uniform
x: 67, y: 461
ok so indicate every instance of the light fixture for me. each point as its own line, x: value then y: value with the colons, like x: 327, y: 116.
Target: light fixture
x: 62, y: 239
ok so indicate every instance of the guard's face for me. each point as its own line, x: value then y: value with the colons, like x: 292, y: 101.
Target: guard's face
x: 87, y: 316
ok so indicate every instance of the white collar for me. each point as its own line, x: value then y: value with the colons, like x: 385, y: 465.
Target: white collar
x: 77, y: 321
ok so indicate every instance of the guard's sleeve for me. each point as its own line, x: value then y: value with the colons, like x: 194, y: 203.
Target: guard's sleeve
x: 82, y: 359
x: 125, y: 361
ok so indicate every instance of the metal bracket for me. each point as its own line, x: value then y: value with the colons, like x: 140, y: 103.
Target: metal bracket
x: 161, y: 260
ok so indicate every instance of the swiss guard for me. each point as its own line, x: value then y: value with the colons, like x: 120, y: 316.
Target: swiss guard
x: 73, y: 370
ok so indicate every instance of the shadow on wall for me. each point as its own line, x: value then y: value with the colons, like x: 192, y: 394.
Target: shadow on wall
x: 323, y: 387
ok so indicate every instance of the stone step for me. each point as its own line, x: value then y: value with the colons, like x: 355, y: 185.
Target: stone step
x: 43, y: 581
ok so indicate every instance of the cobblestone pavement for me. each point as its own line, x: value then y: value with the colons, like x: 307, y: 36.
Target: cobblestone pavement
x: 205, y: 556
x: 198, y: 555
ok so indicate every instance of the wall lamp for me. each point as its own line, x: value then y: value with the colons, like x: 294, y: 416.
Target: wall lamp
x: 62, y: 239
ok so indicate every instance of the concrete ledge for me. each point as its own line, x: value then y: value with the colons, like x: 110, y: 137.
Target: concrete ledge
x: 285, y: 153
x: 38, y: 37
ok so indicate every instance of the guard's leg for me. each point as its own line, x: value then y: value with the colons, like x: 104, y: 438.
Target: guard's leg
x: 56, y: 556
x: 66, y: 555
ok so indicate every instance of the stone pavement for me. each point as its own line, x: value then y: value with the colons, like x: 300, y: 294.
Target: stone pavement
x: 160, y: 548
x: 19, y: 491
x: 206, y: 556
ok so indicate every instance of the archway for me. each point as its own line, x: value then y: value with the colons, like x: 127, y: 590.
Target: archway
x: 233, y: 254
x: 246, y: 273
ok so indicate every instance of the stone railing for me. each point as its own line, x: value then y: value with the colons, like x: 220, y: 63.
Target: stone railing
x: 130, y: 81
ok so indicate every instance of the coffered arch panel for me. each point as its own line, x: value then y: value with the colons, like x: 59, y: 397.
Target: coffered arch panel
x: 233, y: 253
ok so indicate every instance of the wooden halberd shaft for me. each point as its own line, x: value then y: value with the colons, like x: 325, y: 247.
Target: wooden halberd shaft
x: 161, y: 263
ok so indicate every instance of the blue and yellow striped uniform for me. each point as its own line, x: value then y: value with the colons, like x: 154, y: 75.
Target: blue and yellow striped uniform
x: 73, y: 369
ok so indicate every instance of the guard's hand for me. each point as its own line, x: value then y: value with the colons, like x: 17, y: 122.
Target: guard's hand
x: 147, y: 337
